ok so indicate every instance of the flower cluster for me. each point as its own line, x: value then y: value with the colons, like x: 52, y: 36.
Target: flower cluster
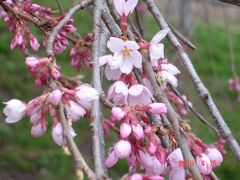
x: 41, y: 17
x: 77, y: 103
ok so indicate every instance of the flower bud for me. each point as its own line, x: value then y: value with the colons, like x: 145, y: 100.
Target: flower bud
x: 175, y: 158
x: 32, y: 62
x: 157, y: 108
x: 138, y: 131
x: 122, y: 149
x: 38, y: 130
x: 111, y: 159
x: 152, y: 148
x: 55, y: 97
x: 118, y: 113
x: 125, y: 130
x: 215, y: 156
x: 204, y: 164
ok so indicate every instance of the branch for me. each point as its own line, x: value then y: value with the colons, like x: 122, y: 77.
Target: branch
x: 67, y: 17
x: 96, y: 116
x: 201, y: 89
x: 200, y: 117
x: 173, y: 118
x: 234, y: 2
x: 80, y: 163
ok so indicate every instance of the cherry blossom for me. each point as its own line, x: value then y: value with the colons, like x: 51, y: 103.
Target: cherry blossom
x: 215, y: 156
x: 125, y: 57
x: 14, y: 110
x: 204, y: 164
x: 156, y: 49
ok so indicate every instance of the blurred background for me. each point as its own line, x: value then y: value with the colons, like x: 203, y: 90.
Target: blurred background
x: 211, y: 26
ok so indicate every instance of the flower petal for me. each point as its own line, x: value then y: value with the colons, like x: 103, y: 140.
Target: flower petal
x: 170, y: 68
x: 112, y: 74
x: 126, y: 66
x: 104, y: 59
x: 119, y: 6
x: 129, y: 6
x: 156, y: 51
x: 159, y: 36
x: 132, y: 45
x: 115, y: 44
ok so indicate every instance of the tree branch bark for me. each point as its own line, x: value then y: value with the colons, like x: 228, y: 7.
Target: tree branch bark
x: 96, y: 115
x: 234, y: 2
x: 80, y: 163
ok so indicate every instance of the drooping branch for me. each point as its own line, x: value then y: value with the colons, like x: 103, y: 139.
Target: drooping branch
x: 173, y: 118
x: 96, y: 115
x: 80, y: 164
x: 201, y: 89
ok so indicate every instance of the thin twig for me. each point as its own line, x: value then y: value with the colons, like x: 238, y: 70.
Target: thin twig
x: 80, y: 163
x: 60, y: 6
x: 201, y: 89
x: 96, y: 116
x: 200, y: 117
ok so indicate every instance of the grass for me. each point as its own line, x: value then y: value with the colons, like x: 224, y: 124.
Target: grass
x: 45, y: 160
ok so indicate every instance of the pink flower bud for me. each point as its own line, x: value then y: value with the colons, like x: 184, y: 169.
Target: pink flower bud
x: 125, y: 130
x: 38, y: 130
x: 35, y: 7
x: 152, y: 148
x: 55, y: 73
x: 148, y: 130
x: 32, y: 62
x: 138, y: 131
x: 157, y: 108
x: 122, y: 149
x: 215, y: 156
x: 175, y: 158
x: 34, y: 43
x: 57, y: 134
x: 55, y: 97
x: 204, y: 164
x: 118, y: 113
x: 111, y: 159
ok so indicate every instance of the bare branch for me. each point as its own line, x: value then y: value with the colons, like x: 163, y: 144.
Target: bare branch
x: 96, y: 116
x: 201, y: 89
x: 80, y: 163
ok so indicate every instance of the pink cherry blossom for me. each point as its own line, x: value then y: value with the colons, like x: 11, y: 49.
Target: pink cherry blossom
x: 139, y: 95
x: 168, y: 72
x: 122, y: 149
x: 76, y: 111
x: 110, y: 73
x: 157, y: 108
x: 156, y: 49
x: 152, y: 148
x: 118, y: 91
x: 55, y: 97
x: 32, y: 62
x: 118, y: 113
x: 175, y: 158
x: 14, y: 110
x: 125, y: 7
x: 85, y: 94
x: 125, y: 55
x: 215, y: 156
x: 125, y: 130
x: 204, y: 164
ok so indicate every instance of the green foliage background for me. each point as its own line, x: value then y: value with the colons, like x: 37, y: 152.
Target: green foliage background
x: 25, y: 157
